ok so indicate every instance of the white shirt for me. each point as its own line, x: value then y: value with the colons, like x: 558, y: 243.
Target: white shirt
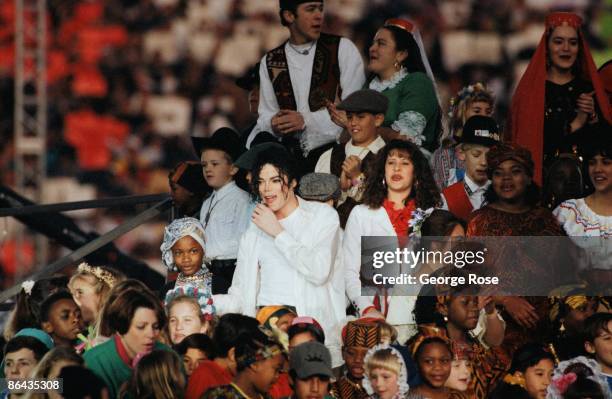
x: 475, y: 193
x: 229, y: 218
x: 324, y: 162
x: 319, y: 129
x: 309, y: 245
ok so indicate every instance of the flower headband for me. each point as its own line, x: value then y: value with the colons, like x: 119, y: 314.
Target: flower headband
x: 417, y: 219
x: 464, y: 93
x: 402, y: 379
x: 204, y: 299
x: 103, y: 275
x: 561, y: 380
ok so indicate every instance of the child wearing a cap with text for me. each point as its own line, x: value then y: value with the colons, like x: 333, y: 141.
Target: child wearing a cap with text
x: 480, y: 133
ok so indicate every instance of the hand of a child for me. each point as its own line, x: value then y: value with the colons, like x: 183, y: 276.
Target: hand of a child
x: 264, y: 218
x: 521, y: 311
x: 486, y: 303
x: 352, y: 166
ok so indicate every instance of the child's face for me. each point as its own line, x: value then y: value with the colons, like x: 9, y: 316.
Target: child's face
x: 192, y: 358
x: 538, y: 378
x: 284, y: 322
x: 353, y: 357
x: 19, y: 364
x: 86, y: 298
x: 478, y: 108
x: 188, y: 255
x: 475, y: 158
x: 510, y: 181
x: 183, y: 320
x: 384, y: 382
x: 602, y: 348
x: 463, y: 312
x: 315, y: 387
x: 600, y: 172
x: 266, y: 372
x: 435, y: 364
x: 460, y: 376
x: 362, y: 127
x: 218, y: 171
x: 399, y: 172
x: 64, y: 322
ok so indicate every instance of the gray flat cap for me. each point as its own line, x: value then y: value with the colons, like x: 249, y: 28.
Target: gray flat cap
x: 365, y: 100
x: 319, y: 187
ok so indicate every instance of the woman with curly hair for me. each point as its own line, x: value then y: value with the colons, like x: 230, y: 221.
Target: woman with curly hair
x: 399, y: 184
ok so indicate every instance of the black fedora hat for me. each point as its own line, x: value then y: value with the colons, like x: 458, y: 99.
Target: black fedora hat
x: 224, y: 139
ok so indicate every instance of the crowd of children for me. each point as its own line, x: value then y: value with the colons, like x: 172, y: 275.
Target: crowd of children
x: 267, y: 295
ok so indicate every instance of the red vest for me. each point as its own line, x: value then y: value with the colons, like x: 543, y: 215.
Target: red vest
x: 458, y: 201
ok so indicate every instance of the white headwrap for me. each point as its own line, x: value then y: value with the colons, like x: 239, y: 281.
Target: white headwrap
x: 176, y: 230
x: 560, y: 383
x: 402, y: 379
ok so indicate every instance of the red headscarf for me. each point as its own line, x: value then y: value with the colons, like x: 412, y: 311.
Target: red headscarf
x: 527, y: 110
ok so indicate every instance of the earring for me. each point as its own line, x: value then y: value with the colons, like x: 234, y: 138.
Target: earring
x: 562, y: 328
x: 396, y: 65
x: 446, y: 319
x: 384, y: 183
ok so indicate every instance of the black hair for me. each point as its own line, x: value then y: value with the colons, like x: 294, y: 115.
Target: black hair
x: 595, y: 325
x: 404, y: 41
x: 48, y: 303
x: 249, y: 343
x: 227, y: 333
x: 583, y: 387
x: 300, y: 328
x: 424, y: 189
x: 528, y: 356
x: 279, y: 159
x: 26, y: 313
x: 80, y: 382
x: 26, y: 342
x: 599, y: 143
x: 439, y: 224
x: 196, y: 341
x: 429, y: 341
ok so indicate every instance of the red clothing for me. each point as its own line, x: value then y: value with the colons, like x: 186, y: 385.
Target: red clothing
x: 400, y: 218
x: 281, y: 388
x: 458, y: 201
x: 207, y: 375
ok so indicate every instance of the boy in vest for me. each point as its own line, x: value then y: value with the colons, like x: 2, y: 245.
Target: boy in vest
x: 299, y: 77
x: 480, y: 133
x: 365, y: 111
x: 225, y: 213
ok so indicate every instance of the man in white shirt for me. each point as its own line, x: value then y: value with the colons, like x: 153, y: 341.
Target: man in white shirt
x: 480, y: 133
x: 287, y: 255
x: 225, y: 213
x: 300, y: 77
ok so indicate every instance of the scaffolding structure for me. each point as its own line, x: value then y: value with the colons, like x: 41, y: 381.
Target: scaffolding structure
x: 30, y: 115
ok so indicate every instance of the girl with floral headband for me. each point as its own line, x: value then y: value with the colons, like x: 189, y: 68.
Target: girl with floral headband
x: 183, y: 250
x: 578, y: 378
x: 260, y: 359
x: 529, y: 375
x: 386, y: 375
x: 90, y: 287
x: 190, y: 311
x: 471, y: 100
x: 399, y: 184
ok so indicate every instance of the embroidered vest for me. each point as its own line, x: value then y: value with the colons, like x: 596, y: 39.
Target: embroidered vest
x: 325, y: 80
x: 458, y: 201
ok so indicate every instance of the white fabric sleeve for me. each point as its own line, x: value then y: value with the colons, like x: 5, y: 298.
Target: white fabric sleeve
x: 411, y: 124
x: 320, y: 129
x: 324, y: 163
x: 352, y: 262
x: 314, y: 261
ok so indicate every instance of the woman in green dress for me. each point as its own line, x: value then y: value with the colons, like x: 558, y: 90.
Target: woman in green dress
x: 399, y: 69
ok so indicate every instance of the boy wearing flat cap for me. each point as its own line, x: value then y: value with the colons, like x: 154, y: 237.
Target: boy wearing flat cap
x: 310, y: 370
x: 480, y: 133
x: 365, y: 110
x: 298, y: 79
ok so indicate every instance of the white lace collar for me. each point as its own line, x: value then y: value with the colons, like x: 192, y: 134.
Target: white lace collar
x: 381, y: 85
